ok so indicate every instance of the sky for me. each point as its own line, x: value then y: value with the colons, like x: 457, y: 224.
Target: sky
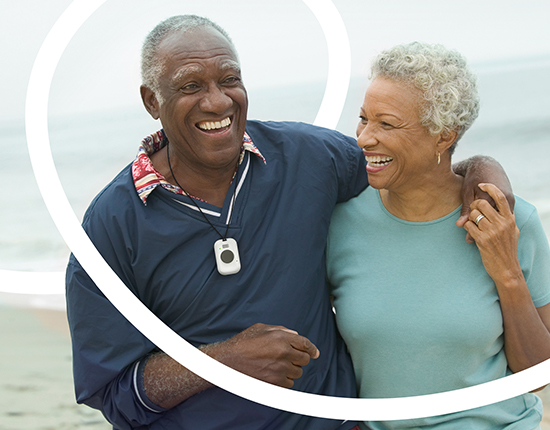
x: 279, y: 43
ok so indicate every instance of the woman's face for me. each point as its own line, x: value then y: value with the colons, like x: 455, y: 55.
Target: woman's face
x: 400, y: 152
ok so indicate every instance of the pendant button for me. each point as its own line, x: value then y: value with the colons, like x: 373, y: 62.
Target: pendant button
x: 227, y: 256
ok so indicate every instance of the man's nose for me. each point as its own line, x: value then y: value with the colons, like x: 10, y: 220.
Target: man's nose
x: 215, y: 100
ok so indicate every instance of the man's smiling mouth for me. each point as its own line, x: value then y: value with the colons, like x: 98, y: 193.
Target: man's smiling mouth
x: 214, y: 125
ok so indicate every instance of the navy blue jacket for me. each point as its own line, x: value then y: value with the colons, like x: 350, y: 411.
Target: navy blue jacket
x: 164, y: 253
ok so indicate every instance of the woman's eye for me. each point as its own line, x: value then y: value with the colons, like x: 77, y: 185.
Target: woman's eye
x: 363, y: 119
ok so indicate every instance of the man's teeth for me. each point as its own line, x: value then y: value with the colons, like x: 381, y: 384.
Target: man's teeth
x: 214, y: 125
x: 378, y: 160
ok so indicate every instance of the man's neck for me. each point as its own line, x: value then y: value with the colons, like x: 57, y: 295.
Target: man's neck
x: 208, y: 185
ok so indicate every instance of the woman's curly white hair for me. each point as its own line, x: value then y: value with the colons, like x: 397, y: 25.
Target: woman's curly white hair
x: 449, y: 88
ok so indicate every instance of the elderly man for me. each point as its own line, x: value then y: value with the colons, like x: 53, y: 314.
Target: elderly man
x: 263, y: 192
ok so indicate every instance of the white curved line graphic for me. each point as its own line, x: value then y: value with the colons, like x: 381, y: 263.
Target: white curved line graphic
x: 164, y: 337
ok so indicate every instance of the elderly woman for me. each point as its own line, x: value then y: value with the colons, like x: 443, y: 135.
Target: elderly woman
x: 421, y: 309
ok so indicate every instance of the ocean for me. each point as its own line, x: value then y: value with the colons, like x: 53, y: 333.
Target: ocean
x: 90, y: 149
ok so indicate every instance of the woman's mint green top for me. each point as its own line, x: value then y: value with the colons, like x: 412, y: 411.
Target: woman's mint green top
x: 419, y: 313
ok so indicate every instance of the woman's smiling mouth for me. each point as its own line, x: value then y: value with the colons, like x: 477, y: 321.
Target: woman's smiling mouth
x: 377, y: 163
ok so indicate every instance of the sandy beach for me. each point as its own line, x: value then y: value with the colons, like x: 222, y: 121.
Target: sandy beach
x: 36, y: 387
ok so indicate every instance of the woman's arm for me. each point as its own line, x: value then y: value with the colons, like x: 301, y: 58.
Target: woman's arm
x: 526, y: 328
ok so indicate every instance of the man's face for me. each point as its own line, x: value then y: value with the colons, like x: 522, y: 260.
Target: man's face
x: 204, y: 102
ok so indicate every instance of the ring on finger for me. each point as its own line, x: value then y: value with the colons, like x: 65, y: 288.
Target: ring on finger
x: 478, y: 219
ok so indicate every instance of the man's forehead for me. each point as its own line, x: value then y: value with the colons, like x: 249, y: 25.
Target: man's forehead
x: 222, y: 65
x: 196, y: 42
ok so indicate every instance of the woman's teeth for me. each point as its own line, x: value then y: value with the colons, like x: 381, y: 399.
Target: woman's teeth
x: 378, y: 160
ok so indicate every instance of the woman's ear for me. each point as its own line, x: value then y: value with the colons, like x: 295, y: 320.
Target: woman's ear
x: 150, y: 101
x: 446, y: 140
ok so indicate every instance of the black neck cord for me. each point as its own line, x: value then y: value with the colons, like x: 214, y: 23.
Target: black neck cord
x: 198, y: 207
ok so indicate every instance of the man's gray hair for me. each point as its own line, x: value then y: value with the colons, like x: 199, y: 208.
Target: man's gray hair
x: 450, y: 98
x: 151, y: 67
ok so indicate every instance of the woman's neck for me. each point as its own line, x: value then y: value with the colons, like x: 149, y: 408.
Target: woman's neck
x: 427, y: 201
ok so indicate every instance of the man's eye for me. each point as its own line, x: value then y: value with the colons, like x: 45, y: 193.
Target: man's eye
x: 386, y: 124
x: 231, y: 80
x: 189, y: 87
x: 363, y: 119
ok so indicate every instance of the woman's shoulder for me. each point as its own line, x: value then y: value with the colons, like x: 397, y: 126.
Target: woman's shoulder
x: 525, y: 212
x: 362, y: 209
x: 368, y: 198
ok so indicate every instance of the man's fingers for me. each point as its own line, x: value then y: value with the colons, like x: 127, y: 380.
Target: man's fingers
x: 498, y: 197
x: 282, y: 329
x: 273, y: 354
x: 483, y: 195
x: 298, y: 342
x: 305, y: 345
x: 295, y: 373
x: 464, y: 216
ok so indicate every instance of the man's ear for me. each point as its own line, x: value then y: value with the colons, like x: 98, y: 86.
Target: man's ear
x: 446, y: 140
x: 150, y: 101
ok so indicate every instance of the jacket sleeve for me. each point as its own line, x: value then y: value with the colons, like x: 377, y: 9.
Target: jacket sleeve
x: 354, y: 178
x: 348, y: 162
x: 109, y: 353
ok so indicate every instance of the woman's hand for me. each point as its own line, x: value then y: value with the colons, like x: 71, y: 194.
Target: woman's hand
x: 526, y: 328
x: 480, y: 169
x: 496, y: 235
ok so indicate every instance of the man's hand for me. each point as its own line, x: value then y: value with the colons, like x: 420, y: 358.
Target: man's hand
x: 272, y: 354
x: 476, y: 170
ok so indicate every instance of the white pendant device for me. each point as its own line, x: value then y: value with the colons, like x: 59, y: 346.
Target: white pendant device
x: 227, y: 256
x: 225, y: 249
